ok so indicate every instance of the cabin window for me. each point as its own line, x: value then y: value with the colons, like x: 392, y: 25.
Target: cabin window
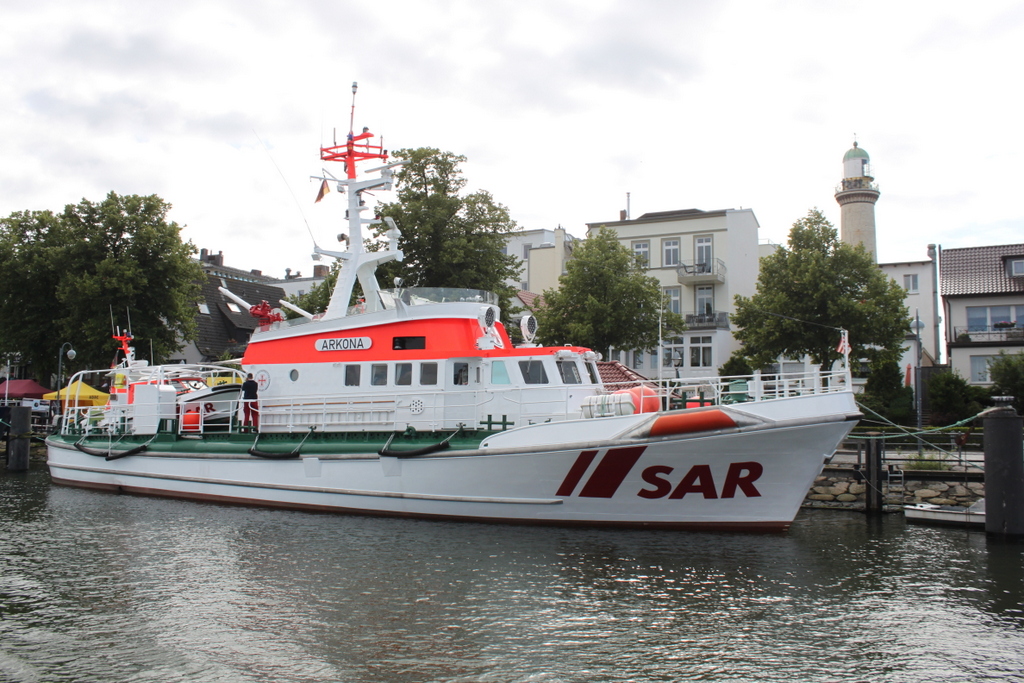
x: 592, y: 371
x: 567, y: 369
x: 403, y: 374
x: 533, y: 372
x: 499, y: 373
x: 378, y: 375
x: 407, y: 343
x: 294, y: 375
x: 352, y: 375
x: 428, y: 373
x: 460, y: 374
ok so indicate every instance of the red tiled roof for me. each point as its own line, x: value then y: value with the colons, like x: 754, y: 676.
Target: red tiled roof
x: 979, y: 270
x: 531, y: 300
x: 614, y: 372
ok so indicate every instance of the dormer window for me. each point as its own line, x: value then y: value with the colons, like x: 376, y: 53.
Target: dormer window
x: 1015, y: 267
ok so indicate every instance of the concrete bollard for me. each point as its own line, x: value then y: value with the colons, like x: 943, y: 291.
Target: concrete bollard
x: 874, y: 454
x: 1004, y: 471
x: 21, y: 439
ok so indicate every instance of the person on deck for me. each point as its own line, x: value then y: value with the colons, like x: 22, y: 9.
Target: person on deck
x: 250, y: 403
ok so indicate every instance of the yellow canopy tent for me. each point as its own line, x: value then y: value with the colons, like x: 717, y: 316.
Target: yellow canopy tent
x: 80, y: 393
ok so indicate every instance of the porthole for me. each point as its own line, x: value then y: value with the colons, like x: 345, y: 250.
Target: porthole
x: 293, y: 375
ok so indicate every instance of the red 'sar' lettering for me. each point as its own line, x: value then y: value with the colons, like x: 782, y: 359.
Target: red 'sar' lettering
x: 699, y: 479
x: 653, y: 476
x: 742, y: 475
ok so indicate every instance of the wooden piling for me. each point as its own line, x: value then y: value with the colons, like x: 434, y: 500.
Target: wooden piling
x: 874, y: 455
x: 20, y: 439
x: 1004, y: 472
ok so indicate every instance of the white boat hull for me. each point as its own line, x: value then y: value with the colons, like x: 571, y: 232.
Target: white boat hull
x: 743, y: 480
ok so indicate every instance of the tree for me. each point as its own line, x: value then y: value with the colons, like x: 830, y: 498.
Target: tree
x: 1007, y: 374
x: 952, y: 398
x: 319, y: 295
x: 63, y: 277
x: 885, y: 394
x: 808, y: 291
x: 448, y: 240
x: 605, y: 300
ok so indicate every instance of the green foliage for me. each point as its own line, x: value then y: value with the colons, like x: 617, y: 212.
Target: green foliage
x: 317, y: 298
x: 820, y: 284
x: 63, y: 276
x: 1007, y: 374
x: 885, y: 394
x: 952, y: 399
x: 606, y: 300
x: 449, y: 240
x: 736, y: 365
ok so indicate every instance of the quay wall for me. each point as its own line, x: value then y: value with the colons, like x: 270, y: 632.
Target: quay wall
x: 840, y: 487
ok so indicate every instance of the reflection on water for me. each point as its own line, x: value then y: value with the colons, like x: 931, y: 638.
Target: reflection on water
x: 102, y: 587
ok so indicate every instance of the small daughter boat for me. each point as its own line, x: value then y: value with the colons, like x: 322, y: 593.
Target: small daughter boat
x: 416, y: 403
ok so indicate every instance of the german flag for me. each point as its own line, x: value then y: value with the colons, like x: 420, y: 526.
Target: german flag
x: 324, y: 189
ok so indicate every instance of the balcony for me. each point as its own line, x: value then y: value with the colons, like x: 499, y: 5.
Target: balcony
x: 701, y: 272
x: 995, y: 334
x: 711, y: 320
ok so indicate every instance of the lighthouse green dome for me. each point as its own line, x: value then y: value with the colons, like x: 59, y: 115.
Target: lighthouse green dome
x: 856, y: 152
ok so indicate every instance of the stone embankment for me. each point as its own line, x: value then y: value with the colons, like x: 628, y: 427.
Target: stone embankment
x: 845, y: 487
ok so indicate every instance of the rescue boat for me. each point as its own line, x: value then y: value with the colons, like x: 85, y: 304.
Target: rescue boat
x: 415, y: 402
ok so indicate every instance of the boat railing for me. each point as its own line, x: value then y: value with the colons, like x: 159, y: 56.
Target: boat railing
x: 473, y: 407
x: 688, y: 392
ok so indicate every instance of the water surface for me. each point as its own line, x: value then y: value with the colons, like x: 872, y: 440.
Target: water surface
x: 103, y: 587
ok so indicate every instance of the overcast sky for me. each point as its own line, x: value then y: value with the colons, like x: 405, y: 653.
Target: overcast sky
x: 560, y: 106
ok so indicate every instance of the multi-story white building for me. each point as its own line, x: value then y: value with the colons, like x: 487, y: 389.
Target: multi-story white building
x: 702, y: 260
x: 542, y: 255
x: 983, y: 300
x: 920, y: 280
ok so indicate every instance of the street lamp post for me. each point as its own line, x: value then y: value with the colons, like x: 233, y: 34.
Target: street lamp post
x: 916, y: 326
x: 60, y: 369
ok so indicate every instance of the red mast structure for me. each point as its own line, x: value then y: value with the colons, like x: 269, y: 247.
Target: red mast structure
x: 354, y: 149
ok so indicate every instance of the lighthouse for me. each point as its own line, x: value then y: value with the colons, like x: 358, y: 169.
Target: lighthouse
x: 857, y: 194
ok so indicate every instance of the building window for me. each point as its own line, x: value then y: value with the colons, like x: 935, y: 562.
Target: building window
x: 526, y: 251
x: 700, y: 352
x: 203, y: 308
x: 642, y: 250
x: 670, y: 252
x: 672, y: 295
x: 979, y: 369
x: 1017, y: 267
x: 910, y: 283
x: 233, y: 307
x: 638, y: 360
x: 704, y: 300
x: 984, y: 318
x: 702, y: 252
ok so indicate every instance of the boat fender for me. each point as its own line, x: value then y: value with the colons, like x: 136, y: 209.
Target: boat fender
x: 110, y: 455
x: 697, y: 421
x: 254, y: 451
x: 426, y: 450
